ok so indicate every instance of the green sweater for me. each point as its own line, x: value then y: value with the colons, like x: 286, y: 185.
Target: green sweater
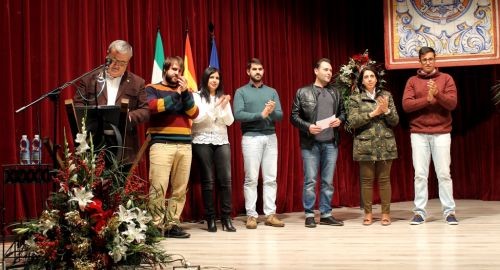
x: 249, y: 102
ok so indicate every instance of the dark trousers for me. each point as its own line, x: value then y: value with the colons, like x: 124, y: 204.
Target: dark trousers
x: 381, y: 170
x: 215, y: 165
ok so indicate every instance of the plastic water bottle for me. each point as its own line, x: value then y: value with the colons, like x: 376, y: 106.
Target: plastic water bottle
x: 36, y: 150
x: 24, y: 152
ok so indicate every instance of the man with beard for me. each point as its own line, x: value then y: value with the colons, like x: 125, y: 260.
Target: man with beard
x: 317, y: 112
x: 172, y: 108
x: 257, y: 107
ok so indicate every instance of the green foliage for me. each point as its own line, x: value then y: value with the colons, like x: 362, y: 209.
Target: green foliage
x: 345, y: 80
x: 97, y: 219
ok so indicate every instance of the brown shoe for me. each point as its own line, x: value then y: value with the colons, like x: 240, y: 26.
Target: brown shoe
x: 272, y: 220
x: 368, y: 220
x: 251, y: 222
x: 386, y: 220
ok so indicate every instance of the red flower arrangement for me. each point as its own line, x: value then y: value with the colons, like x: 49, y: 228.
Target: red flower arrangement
x: 345, y: 79
x: 98, y: 219
x: 348, y: 74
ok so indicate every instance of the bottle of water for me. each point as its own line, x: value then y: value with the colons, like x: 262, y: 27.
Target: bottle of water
x: 24, y: 152
x: 36, y: 150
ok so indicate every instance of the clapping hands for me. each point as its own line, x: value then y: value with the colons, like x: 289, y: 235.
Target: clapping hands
x: 183, y: 84
x: 432, y: 87
x: 223, y: 101
x: 268, y: 109
x: 382, y: 106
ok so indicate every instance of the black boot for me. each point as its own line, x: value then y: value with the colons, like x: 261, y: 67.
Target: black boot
x: 227, y: 225
x: 211, y: 225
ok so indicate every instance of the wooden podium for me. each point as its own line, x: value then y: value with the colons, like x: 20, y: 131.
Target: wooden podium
x: 101, y: 121
x: 119, y: 115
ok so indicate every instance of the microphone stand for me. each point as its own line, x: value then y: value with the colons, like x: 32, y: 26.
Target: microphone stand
x: 98, y: 135
x: 54, y: 96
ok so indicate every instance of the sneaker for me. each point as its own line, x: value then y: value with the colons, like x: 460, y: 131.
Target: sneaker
x: 451, y: 219
x: 176, y: 232
x: 330, y: 221
x: 310, y: 222
x: 251, y: 223
x: 417, y: 220
x: 274, y: 221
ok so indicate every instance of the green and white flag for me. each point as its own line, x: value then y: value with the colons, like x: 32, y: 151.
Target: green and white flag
x: 156, y: 77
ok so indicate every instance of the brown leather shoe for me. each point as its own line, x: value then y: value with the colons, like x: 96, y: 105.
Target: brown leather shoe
x: 274, y: 221
x: 251, y: 222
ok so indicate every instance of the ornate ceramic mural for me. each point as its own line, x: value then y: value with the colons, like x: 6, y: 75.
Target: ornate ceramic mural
x: 463, y: 32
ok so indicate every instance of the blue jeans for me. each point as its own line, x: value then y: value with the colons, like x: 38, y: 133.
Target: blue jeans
x: 324, y: 156
x: 437, y: 146
x: 260, y: 151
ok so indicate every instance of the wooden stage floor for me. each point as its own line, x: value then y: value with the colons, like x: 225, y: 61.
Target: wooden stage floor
x: 473, y: 244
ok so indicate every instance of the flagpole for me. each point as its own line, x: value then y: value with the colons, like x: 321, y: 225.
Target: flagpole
x: 211, y: 28
x: 159, y: 22
x: 213, y: 60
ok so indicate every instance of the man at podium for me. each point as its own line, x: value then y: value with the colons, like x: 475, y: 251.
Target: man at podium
x: 110, y: 86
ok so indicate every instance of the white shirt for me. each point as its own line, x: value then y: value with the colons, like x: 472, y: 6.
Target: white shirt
x: 371, y: 95
x: 210, y: 127
x: 112, y: 85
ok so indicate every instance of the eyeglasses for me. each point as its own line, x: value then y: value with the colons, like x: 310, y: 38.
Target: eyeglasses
x: 118, y: 62
x: 427, y: 60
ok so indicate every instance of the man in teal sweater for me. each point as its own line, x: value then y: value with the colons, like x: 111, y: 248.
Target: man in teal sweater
x: 257, y: 107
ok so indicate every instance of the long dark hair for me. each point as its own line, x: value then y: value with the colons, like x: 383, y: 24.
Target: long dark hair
x: 204, y: 91
x: 380, y: 81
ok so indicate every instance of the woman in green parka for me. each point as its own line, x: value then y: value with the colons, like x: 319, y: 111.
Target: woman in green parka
x: 371, y: 116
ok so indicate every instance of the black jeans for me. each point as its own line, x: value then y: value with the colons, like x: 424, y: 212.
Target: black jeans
x: 215, y: 164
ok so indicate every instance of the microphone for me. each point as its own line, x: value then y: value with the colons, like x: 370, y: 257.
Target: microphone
x: 100, y: 77
x: 108, y: 62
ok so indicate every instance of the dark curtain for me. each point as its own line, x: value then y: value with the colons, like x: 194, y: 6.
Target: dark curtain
x: 47, y: 43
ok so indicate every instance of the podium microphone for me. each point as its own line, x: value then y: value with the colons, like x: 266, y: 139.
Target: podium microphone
x: 107, y: 63
x: 101, y: 79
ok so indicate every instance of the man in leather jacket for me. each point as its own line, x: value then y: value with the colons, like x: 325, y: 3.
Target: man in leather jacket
x: 317, y: 112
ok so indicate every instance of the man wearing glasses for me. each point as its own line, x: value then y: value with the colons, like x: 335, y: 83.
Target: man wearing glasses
x: 111, y: 86
x: 429, y: 97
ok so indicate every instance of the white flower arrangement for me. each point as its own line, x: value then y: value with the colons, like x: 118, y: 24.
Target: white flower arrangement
x: 97, y: 219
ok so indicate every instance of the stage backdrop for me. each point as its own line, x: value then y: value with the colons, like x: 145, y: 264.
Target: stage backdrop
x: 463, y: 33
x: 47, y: 43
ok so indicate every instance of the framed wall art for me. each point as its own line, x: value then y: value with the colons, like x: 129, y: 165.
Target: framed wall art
x: 462, y: 32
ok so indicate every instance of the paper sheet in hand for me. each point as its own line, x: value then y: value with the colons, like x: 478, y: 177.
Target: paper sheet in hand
x: 325, y: 123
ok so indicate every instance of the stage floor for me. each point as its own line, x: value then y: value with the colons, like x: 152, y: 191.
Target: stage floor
x: 473, y: 244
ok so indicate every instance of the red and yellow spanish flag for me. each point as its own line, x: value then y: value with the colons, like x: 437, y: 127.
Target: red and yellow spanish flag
x: 189, y: 72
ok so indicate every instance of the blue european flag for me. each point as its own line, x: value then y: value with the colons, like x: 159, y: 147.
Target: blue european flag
x: 214, y: 58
